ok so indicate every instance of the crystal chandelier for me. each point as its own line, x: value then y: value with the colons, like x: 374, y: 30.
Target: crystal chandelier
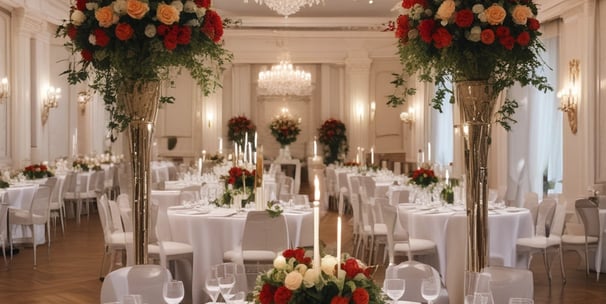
x: 286, y: 7
x: 283, y: 79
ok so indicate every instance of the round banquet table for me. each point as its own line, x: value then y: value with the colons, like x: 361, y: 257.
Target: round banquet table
x: 505, y: 226
x: 214, y: 233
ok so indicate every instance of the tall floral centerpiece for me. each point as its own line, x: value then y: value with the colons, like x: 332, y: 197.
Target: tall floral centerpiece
x: 124, y: 49
x: 239, y: 183
x: 483, y: 47
x: 238, y: 127
x: 285, y: 130
x: 334, y: 139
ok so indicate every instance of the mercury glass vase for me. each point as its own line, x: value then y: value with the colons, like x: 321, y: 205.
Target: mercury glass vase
x: 476, y: 102
x: 140, y: 100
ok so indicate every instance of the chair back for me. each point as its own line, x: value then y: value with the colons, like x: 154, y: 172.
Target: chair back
x: 40, y: 207
x: 145, y: 280
x: 234, y: 269
x: 531, y: 202
x: 545, y: 216
x: 69, y: 185
x: 105, y: 218
x: 262, y: 232
x: 413, y: 273
x: 588, y: 212
x: 506, y: 283
x: 58, y: 191
x: 390, y: 216
x: 99, y: 186
x: 3, y: 216
x: 354, y: 202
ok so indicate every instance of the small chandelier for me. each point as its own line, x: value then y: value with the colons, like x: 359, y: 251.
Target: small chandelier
x: 283, y: 79
x: 286, y: 7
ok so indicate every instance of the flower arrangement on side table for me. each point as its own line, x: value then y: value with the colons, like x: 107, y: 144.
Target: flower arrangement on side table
x: 285, y: 128
x: 333, y: 136
x: 293, y: 279
x: 238, y: 127
x: 447, y: 40
x: 37, y: 171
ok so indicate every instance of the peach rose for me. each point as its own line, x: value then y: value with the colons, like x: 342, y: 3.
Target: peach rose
x: 167, y: 14
x: 78, y: 17
x: 136, y: 9
x: 293, y: 280
x: 520, y: 14
x: 445, y: 10
x: 495, y: 14
x: 105, y: 16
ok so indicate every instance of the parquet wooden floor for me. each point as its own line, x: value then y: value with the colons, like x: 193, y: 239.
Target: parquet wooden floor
x: 68, y: 272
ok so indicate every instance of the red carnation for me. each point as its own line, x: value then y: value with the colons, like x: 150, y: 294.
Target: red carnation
x: 282, y: 295
x: 339, y: 300
x: 202, y: 3
x: 124, y: 31
x: 360, y: 296
x: 403, y: 27
x: 464, y: 18
x: 81, y: 5
x: 87, y: 55
x: 352, y: 268
x: 487, y: 36
x: 170, y: 41
x: 533, y: 24
x: 507, y: 42
x: 72, y: 32
x: 101, y: 37
x: 426, y: 29
x: 410, y: 3
x: 184, y: 35
x: 212, y: 26
x: 266, y: 296
x: 502, y: 31
x: 523, y: 39
x: 441, y: 38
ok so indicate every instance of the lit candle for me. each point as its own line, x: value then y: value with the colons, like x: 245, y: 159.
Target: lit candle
x: 315, y: 149
x: 220, y: 145
x: 250, y: 155
x: 316, y: 263
x: 203, y: 155
x: 339, y: 242
x: 372, y: 156
x: 200, y: 166
x: 446, y: 176
x: 245, y: 146
x: 358, y: 155
x: 428, y: 152
x: 236, y: 151
x: 255, y: 140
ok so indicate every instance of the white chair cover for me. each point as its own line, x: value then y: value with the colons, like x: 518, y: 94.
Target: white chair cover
x: 146, y: 280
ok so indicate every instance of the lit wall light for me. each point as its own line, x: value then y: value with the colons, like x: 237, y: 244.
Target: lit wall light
x: 84, y: 97
x: 210, y: 117
x: 408, y: 117
x: 4, y: 89
x: 373, y: 109
x: 569, y: 96
x: 50, y: 101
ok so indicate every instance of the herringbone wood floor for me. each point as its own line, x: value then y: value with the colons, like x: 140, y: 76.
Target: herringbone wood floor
x: 68, y: 272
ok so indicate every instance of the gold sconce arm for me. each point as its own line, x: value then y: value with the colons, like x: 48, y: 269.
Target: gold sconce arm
x: 570, y: 95
x: 50, y: 101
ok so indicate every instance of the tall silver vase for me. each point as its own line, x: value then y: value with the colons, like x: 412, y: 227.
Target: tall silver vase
x: 476, y: 103
x: 140, y: 100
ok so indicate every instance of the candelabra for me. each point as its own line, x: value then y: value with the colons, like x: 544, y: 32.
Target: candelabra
x: 4, y: 90
x: 569, y: 97
x: 50, y: 101
x: 84, y: 97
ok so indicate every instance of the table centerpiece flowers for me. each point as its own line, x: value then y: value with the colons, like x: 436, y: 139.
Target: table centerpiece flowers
x: 294, y: 280
x: 238, y: 127
x: 239, y: 188
x: 285, y: 128
x: 37, y: 171
x: 332, y: 134
x: 422, y: 177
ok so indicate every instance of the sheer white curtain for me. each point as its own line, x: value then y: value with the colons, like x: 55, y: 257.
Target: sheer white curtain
x: 442, y: 134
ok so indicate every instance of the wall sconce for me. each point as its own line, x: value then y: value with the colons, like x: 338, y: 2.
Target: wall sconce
x: 569, y: 96
x: 4, y: 90
x: 373, y: 109
x: 50, y: 101
x: 407, y: 117
x: 83, y: 98
x: 209, y: 118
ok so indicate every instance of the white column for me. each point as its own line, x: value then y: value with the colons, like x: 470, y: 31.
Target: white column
x: 357, y: 84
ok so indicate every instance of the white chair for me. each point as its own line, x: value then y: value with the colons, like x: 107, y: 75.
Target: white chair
x: 548, y: 231
x: 506, y: 283
x: 531, y: 202
x: 37, y: 214
x: 413, y: 273
x: 3, y: 224
x: 114, y: 239
x: 374, y: 233
x: 57, y: 206
x: 588, y: 212
x: 145, y: 280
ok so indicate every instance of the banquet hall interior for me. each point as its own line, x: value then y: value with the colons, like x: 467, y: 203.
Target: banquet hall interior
x: 554, y: 152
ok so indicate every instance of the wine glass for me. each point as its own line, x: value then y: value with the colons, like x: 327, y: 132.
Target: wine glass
x: 226, y: 283
x: 238, y: 298
x: 430, y: 289
x: 173, y: 292
x: 394, y: 288
x: 132, y: 299
x: 212, y: 288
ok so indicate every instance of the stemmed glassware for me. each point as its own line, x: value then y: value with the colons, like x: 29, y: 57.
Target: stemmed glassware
x: 226, y: 283
x: 212, y: 288
x: 173, y: 292
x: 430, y: 289
x: 394, y: 288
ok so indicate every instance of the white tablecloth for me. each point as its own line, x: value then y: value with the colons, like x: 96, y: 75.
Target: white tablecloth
x: 212, y: 234
x: 20, y: 197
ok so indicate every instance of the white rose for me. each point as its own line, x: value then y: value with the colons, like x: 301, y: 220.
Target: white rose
x: 78, y: 17
x: 477, y: 8
x: 150, y: 30
x: 200, y: 12
x: 328, y: 264
x: 475, y: 34
x: 91, y: 6
x: 482, y: 16
x: 310, y: 278
x: 120, y: 7
x: 178, y: 5
x: 193, y: 23
x: 280, y: 262
x: 293, y: 280
x: 92, y: 39
x: 301, y: 268
x: 189, y: 6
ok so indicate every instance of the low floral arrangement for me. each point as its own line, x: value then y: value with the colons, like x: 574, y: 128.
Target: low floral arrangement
x: 239, y: 181
x: 332, y: 134
x: 274, y: 209
x: 216, y: 158
x: 36, y: 171
x: 285, y: 128
x: 293, y: 280
x: 447, y: 40
x: 238, y: 127
x: 3, y: 184
x: 422, y: 177
x: 86, y: 164
x: 351, y: 164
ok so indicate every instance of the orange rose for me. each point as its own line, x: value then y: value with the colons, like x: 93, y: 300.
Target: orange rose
x: 167, y: 14
x: 520, y: 14
x: 105, y: 16
x: 445, y: 10
x: 136, y: 9
x: 495, y: 14
x: 487, y: 36
x: 124, y: 31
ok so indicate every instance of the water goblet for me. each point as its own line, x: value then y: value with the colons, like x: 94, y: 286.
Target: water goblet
x: 173, y: 292
x: 430, y: 289
x: 212, y: 288
x: 394, y: 288
x: 226, y: 283
x: 238, y: 298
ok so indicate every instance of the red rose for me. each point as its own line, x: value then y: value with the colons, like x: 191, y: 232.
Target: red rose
x: 403, y: 27
x: 351, y: 268
x: 426, y: 29
x: 282, y: 295
x: 487, y: 36
x: 411, y: 3
x: 533, y: 24
x: 162, y: 29
x: 523, y: 39
x: 170, y: 41
x: 202, y: 3
x: 339, y: 300
x: 502, y: 31
x: 124, y: 31
x: 212, y: 26
x: 507, y: 42
x: 87, y: 55
x: 184, y: 35
x: 266, y: 296
x: 464, y: 18
x: 72, y: 32
x: 360, y: 296
x: 81, y: 5
x: 441, y: 38
x: 101, y: 38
